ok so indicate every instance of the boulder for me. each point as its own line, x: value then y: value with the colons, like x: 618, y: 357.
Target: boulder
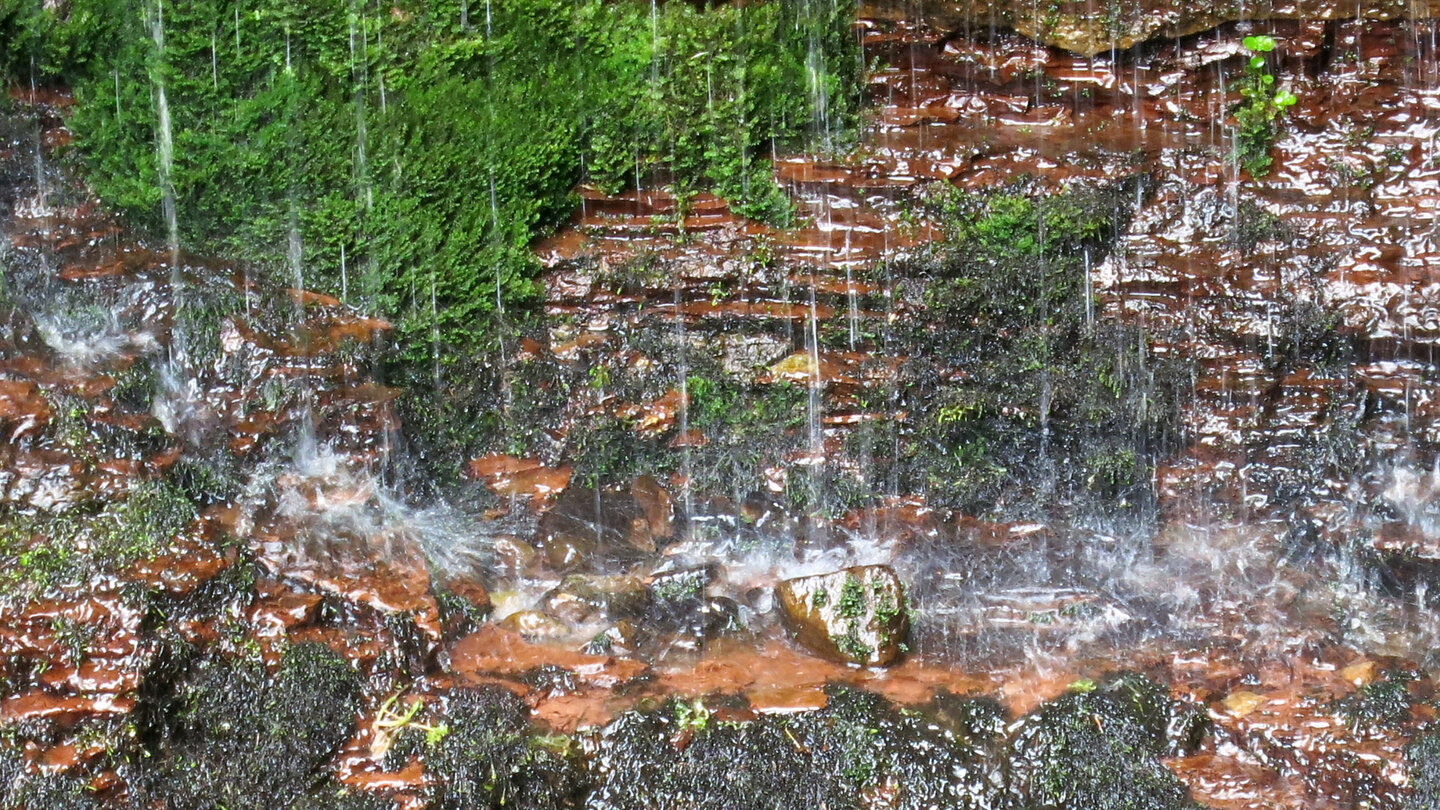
x: 857, y: 615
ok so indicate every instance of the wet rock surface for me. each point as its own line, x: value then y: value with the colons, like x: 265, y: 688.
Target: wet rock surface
x: 1089, y: 29
x: 857, y: 615
x: 212, y: 591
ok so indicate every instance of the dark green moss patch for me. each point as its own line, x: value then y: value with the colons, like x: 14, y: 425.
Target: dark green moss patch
x: 1053, y: 400
x: 228, y: 734
x: 1380, y: 703
x: 1096, y: 750
x: 1422, y: 756
x: 857, y: 745
x: 492, y: 758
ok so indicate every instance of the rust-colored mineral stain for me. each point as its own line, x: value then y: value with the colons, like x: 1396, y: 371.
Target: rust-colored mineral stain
x: 41, y: 705
x: 495, y: 651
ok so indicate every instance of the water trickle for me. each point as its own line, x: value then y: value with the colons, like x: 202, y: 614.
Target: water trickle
x: 165, y: 139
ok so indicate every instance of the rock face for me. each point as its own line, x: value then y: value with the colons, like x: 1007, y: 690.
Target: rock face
x: 1088, y: 28
x: 856, y: 615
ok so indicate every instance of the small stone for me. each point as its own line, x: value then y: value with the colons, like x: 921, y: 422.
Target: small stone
x: 621, y: 638
x: 578, y: 598
x: 1359, y: 673
x: 1240, y: 704
x: 586, y: 526
x: 857, y: 615
x: 533, y: 624
x: 797, y: 367
x: 574, y: 601
x: 512, y: 555
x: 658, y: 506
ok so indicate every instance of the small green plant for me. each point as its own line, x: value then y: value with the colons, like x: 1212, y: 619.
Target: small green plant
x: 1258, y: 116
x: 692, y: 716
x: 852, y: 598
x: 389, y: 722
x: 851, y: 646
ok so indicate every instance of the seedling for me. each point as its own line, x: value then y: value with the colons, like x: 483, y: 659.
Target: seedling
x: 1258, y: 116
x: 692, y: 716
x: 389, y: 722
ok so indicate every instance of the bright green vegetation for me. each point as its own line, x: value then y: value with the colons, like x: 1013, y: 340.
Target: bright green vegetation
x: 69, y: 547
x: 1259, y: 116
x: 422, y: 145
x: 852, y: 598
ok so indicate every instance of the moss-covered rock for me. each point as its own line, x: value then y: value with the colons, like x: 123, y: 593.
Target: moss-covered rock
x: 490, y: 756
x: 1422, y: 757
x: 1099, y: 748
x: 857, y: 615
x: 859, y: 751
x: 230, y: 735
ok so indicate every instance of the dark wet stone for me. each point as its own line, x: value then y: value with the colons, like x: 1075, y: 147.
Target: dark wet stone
x: 657, y: 505
x: 512, y: 555
x: 674, y: 593
x: 586, y: 527
x: 679, y: 607
x: 620, y: 638
x: 574, y: 601
x: 742, y: 354
x: 580, y: 598
x: 534, y: 624
x: 856, y: 615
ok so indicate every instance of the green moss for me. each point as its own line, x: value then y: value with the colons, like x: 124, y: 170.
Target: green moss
x: 1055, y: 404
x: 1381, y: 703
x: 237, y: 737
x: 487, y: 759
x: 829, y: 758
x: 852, y: 604
x: 45, y: 550
x: 425, y: 152
x: 1422, y: 756
x: 851, y: 646
x: 1096, y: 750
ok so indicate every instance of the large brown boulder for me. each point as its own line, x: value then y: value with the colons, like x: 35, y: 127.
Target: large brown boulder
x: 857, y: 615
